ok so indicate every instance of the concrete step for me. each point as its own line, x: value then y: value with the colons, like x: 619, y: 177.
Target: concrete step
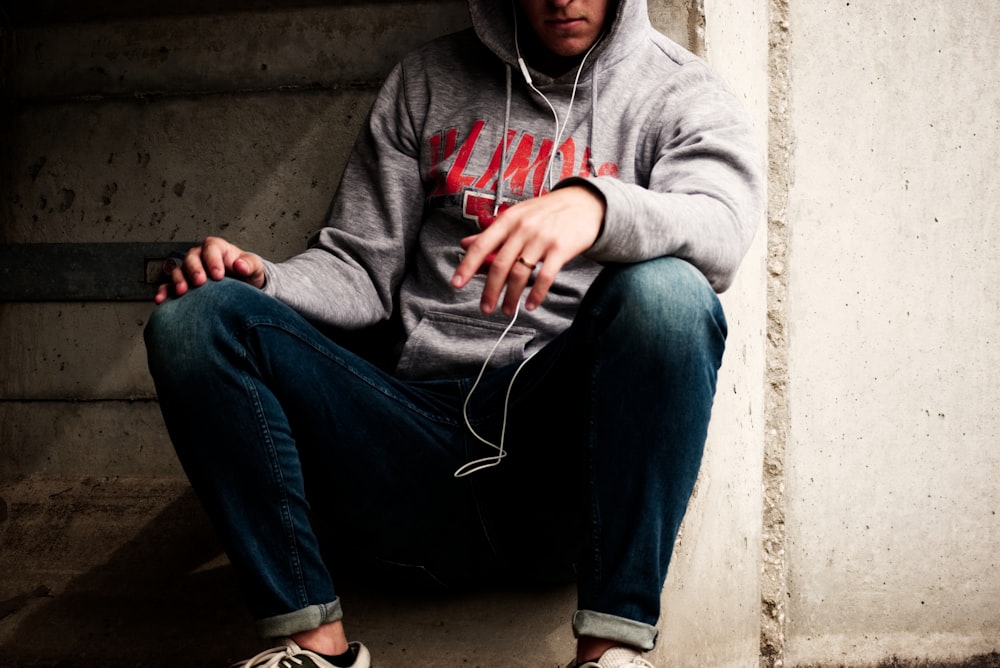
x: 127, y: 572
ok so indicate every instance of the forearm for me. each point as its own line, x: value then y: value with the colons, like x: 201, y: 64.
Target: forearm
x: 710, y: 231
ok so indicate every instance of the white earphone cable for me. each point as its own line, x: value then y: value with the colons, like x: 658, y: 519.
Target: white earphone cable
x: 488, y: 462
x: 493, y: 460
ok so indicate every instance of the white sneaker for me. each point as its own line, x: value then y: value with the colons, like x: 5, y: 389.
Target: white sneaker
x: 290, y: 655
x: 619, y: 657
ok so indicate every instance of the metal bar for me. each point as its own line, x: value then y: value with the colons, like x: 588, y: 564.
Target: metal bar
x: 84, y: 271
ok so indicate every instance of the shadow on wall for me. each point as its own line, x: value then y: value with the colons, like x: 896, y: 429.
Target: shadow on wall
x: 127, y: 572
x: 57, y: 11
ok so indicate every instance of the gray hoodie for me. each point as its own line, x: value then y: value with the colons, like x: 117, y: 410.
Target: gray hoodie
x: 643, y: 121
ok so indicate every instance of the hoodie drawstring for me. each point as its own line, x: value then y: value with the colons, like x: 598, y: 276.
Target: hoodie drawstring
x: 591, y: 141
x: 503, y: 146
x: 559, y: 129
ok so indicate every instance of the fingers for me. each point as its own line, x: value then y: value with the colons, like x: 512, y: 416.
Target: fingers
x: 478, y: 255
x: 525, y: 257
x: 214, y: 259
x: 218, y: 258
x: 528, y: 244
x: 209, y: 260
x: 248, y: 268
x: 508, y: 276
x: 162, y: 293
x: 176, y: 283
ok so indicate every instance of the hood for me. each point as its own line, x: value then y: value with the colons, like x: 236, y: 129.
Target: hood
x: 493, y: 21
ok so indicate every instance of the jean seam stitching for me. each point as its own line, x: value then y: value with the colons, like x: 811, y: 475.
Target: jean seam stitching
x: 293, y: 553
x: 261, y: 322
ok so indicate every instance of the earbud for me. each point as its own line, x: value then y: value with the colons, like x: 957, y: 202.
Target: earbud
x: 524, y: 70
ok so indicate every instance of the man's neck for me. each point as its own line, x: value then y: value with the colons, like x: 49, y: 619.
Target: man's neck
x: 547, y: 62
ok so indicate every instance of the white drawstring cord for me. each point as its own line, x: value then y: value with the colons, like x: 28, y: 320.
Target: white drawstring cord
x: 591, y: 162
x: 503, y: 148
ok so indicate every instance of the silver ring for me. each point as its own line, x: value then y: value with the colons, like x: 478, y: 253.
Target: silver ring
x: 173, y: 261
x: 529, y: 265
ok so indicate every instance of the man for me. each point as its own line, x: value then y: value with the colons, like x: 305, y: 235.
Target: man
x: 561, y: 151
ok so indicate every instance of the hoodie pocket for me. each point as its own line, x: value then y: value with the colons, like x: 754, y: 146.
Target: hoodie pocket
x: 445, y: 345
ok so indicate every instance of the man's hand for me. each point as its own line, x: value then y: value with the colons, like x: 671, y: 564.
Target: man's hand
x: 547, y: 231
x: 214, y: 258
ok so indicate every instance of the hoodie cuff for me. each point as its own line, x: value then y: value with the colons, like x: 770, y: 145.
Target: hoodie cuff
x: 591, y: 185
x: 269, y: 286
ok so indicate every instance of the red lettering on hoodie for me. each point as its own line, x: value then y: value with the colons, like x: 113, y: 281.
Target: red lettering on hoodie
x: 608, y: 169
x: 522, y: 166
x: 494, y: 166
x: 525, y: 171
x: 480, y: 208
x: 437, y: 157
x: 455, y: 180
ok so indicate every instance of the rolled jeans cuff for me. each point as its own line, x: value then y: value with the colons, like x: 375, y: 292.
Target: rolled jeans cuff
x: 610, y: 627
x: 305, y: 619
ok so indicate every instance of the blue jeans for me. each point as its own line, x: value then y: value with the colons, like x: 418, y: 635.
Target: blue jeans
x: 285, y: 434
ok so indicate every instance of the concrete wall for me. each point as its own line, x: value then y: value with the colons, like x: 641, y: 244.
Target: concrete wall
x: 163, y: 129
x: 892, y: 256
x: 712, y: 600
x: 147, y: 126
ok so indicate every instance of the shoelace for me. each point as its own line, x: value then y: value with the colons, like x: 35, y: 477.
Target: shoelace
x: 276, y: 657
x: 620, y: 656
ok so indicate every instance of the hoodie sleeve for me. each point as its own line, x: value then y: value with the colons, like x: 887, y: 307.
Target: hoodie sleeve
x: 704, y: 194
x: 348, y: 276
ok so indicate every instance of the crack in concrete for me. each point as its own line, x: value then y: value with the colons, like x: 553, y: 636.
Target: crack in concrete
x: 774, y: 585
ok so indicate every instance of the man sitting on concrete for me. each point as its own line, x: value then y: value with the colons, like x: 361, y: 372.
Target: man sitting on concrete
x: 561, y: 150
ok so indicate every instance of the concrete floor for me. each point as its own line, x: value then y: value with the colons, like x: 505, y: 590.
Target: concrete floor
x: 128, y: 573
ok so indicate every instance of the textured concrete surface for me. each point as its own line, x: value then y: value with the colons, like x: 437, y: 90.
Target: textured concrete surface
x: 122, y: 573
x: 893, y: 256
x: 127, y: 572
x: 132, y: 124
x: 847, y: 510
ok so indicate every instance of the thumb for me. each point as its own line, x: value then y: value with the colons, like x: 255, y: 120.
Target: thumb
x: 249, y: 268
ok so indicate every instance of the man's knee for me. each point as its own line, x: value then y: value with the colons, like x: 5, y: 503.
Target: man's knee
x: 186, y: 328
x: 666, y: 299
